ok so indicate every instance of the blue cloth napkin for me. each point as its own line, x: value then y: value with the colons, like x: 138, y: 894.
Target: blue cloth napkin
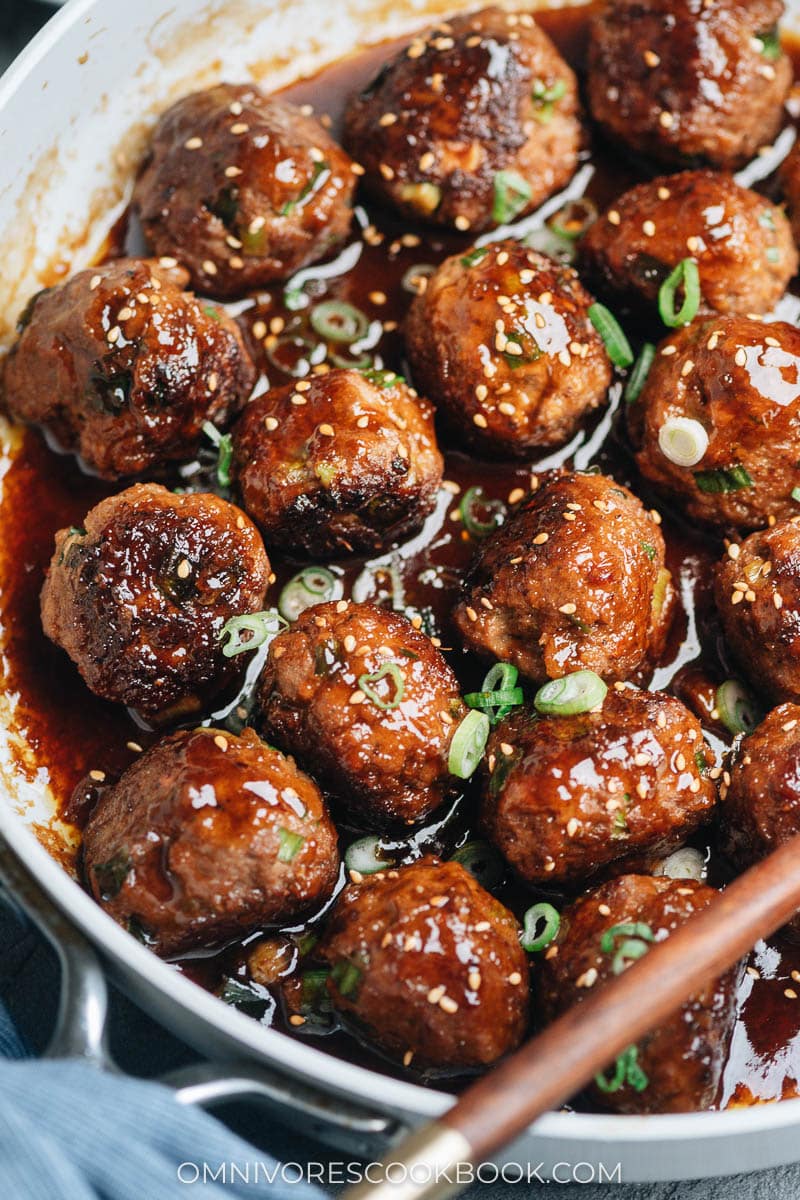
x: 71, y: 1132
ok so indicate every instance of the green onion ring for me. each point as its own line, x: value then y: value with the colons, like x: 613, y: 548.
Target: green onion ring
x: 312, y: 585
x: 224, y: 447
x: 500, y: 677
x: 618, y: 348
x: 468, y: 744
x: 629, y: 951
x: 262, y: 627
x: 338, y: 321
x: 511, y: 196
x: 482, y: 861
x: 638, y: 376
x: 637, y: 929
x: 473, y: 500
x: 364, y: 856
x: 392, y: 671
x: 532, y: 941
x: 572, y: 221
x: 579, y: 692
x: 686, y: 274
x: 419, y: 271
x: 737, y: 709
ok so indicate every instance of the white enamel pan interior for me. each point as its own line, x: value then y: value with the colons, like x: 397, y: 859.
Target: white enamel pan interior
x: 74, y: 112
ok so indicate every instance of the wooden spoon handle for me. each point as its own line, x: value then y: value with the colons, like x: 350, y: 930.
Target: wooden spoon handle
x: 568, y: 1054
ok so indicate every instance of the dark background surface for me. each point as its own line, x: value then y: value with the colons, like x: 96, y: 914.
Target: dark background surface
x: 29, y: 975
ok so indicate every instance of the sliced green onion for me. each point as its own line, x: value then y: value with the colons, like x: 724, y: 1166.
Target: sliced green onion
x: 686, y: 275
x: 480, y: 515
x: 511, y: 196
x: 727, y: 479
x: 533, y: 938
x: 770, y: 44
x: 413, y: 279
x: 261, y: 626
x: 638, y: 376
x: 315, y: 182
x: 796, y: 494
x: 364, y: 363
x: 545, y: 98
x: 482, y: 861
x: 312, y: 585
x: 629, y: 951
x: 501, y: 676
x: 574, y: 219
x: 499, y: 694
x: 224, y: 446
x: 382, y: 379
x: 618, y: 348
x: 295, y: 355
x: 626, y: 1070
x: 737, y: 709
x: 474, y: 256
x: 683, y: 441
x: 346, y: 976
x: 338, y: 321
x: 627, y: 929
x: 468, y: 744
x: 388, y: 670
x: 364, y: 857
x: 579, y: 692
x: 290, y: 844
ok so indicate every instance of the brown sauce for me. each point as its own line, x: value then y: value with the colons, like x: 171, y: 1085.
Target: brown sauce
x: 72, y: 732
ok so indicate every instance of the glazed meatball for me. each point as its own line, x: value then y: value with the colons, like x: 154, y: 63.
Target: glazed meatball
x: 209, y: 836
x: 473, y: 124
x: 685, y: 81
x: 737, y: 382
x: 350, y: 464
x: 428, y: 965
x: 568, y: 797
x: 789, y: 176
x: 758, y: 598
x: 243, y: 188
x: 139, y: 596
x: 502, y: 341
x: 368, y: 705
x: 123, y: 367
x: 678, y: 1066
x: 761, y: 807
x: 575, y: 579
x: 741, y: 243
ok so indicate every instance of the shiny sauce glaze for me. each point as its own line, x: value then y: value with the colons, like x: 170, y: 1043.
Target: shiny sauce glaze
x: 84, y: 743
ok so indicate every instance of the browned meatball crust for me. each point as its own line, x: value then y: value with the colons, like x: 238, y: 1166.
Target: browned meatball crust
x: 740, y: 380
x: 369, y: 707
x: 758, y: 599
x: 682, y: 1060
x: 243, y: 188
x: 209, y: 836
x: 123, y: 367
x: 760, y: 808
x: 139, y: 596
x: 568, y: 797
x: 685, y: 81
x: 575, y: 579
x: 741, y: 243
x: 502, y: 342
x: 428, y: 965
x: 348, y: 464
x: 480, y: 107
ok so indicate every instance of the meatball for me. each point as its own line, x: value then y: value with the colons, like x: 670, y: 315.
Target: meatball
x: 760, y: 808
x: 473, y: 124
x: 348, y: 464
x: 123, y: 367
x: 678, y: 1066
x: 685, y: 81
x: 741, y: 243
x: 757, y: 590
x: 789, y: 177
x: 574, y: 580
x: 368, y: 705
x: 428, y: 965
x: 243, y: 188
x: 501, y: 339
x: 209, y: 836
x: 567, y: 797
x: 139, y: 596
x: 738, y: 384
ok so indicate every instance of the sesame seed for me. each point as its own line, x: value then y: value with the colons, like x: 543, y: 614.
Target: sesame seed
x: 221, y: 742
x: 342, y: 606
x: 480, y: 420
x: 259, y: 330
x: 462, y: 223
x: 240, y: 127
x: 568, y: 609
x: 587, y: 979
x: 95, y: 282
x: 573, y: 824
x: 296, y: 1019
x: 407, y: 1057
x: 753, y: 972
x: 97, y: 776
x: 448, y: 1005
x: 644, y: 760
x: 435, y: 994
x: 790, y: 993
x: 515, y: 978
x: 386, y: 171
x: 113, y: 334
x: 357, y: 697
x: 427, y: 160
x: 669, y: 350
x: 326, y: 430
x: 734, y: 550
x: 613, y: 217
x: 651, y: 58
x: 649, y: 229
x: 388, y: 119
x: 184, y: 569
x: 232, y: 172
x: 663, y: 193
x: 789, y: 726
x: 604, y: 910
x: 471, y: 613
x: 541, y: 538
x: 378, y: 297
x: 194, y: 143
x: 209, y: 267
x: 236, y: 109
x: 741, y: 357
x: 271, y: 423
x: 666, y: 120
x: 516, y: 495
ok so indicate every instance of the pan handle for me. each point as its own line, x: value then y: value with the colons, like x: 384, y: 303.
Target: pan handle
x: 80, y: 1030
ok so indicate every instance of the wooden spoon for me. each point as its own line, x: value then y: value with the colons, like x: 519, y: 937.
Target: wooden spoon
x: 552, y: 1067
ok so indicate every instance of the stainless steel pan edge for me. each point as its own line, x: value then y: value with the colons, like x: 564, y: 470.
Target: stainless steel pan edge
x: 101, y: 59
